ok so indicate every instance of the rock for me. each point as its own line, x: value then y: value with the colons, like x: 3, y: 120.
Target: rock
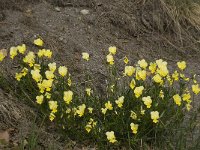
x: 85, y: 11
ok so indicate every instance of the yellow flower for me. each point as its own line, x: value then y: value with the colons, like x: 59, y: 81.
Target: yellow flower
x: 53, y: 105
x: 36, y: 75
x: 111, y: 137
x: 62, y: 70
x: 169, y: 80
x: 143, y: 64
x: 52, y: 116
x: 81, y: 109
x: 2, y: 56
x: 18, y: 76
x: 48, y: 95
x: 85, y: 56
x: 38, y: 42
x: 69, y: 81
x: 88, y: 127
x: 138, y: 91
x: 37, y: 67
x: 186, y: 97
x: 160, y: 63
x: 155, y: 116
x: 161, y: 94
x: 68, y: 95
x: 104, y: 110
x: 41, y: 53
x: 133, y: 115
x: 134, y: 128
x: 177, y: 99
x: 188, y: 107
x: 108, y: 105
x: 48, y: 53
x: 181, y: 65
x: 13, y: 52
x: 163, y: 71
x: 52, y: 66
x: 152, y: 67
x: 88, y: 91
x: 39, y: 99
x: 90, y: 109
x: 142, y: 111
x: 24, y: 71
x: 112, y: 50
x: 175, y: 75
x: 147, y: 101
x: 110, y: 59
x: 45, y: 85
x: 120, y: 101
x: 68, y: 110
x: 195, y: 88
x: 126, y: 60
x: 49, y: 75
x: 141, y: 75
x: 132, y: 84
x: 29, y: 58
x: 158, y: 79
x: 21, y: 48
x: 129, y: 70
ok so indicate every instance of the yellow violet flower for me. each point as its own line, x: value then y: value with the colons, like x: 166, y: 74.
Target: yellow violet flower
x: 133, y: 115
x: 177, y: 99
x: 81, y: 109
x: 41, y: 53
x: 120, y: 101
x: 141, y: 75
x: 90, y: 109
x: 152, y: 67
x: 52, y: 116
x: 18, y: 76
x: 88, y: 127
x: 112, y: 50
x: 138, y: 91
x: 48, y: 53
x: 68, y: 95
x: 175, y: 75
x: 53, y: 105
x: 147, y: 101
x: 132, y: 84
x: 13, y: 52
x: 49, y: 75
x: 195, y: 88
x: 111, y: 137
x: 129, y: 70
x: 2, y: 56
x: 110, y: 59
x: 52, y: 66
x: 188, y: 107
x: 88, y: 91
x: 62, y: 70
x: 161, y: 94
x: 186, y: 97
x: 36, y: 75
x: 21, y: 48
x: 126, y: 60
x: 134, y: 128
x: 181, y: 65
x: 108, y: 105
x: 39, y: 99
x: 158, y: 79
x: 48, y: 95
x: 38, y: 42
x: 163, y: 71
x: 143, y: 64
x: 85, y: 56
x: 155, y: 116
x: 104, y: 110
x: 29, y: 58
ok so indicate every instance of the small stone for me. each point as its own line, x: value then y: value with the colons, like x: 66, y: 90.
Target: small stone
x: 57, y: 9
x: 85, y: 11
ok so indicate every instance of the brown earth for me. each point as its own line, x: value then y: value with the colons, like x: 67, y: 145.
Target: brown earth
x: 137, y: 28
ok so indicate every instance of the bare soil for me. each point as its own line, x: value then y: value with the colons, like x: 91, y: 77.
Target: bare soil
x: 138, y: 29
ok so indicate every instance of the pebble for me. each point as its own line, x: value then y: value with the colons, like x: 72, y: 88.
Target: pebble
x: 85, y: 11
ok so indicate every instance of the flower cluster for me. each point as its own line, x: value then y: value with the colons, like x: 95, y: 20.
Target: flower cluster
x: 143, y: 96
